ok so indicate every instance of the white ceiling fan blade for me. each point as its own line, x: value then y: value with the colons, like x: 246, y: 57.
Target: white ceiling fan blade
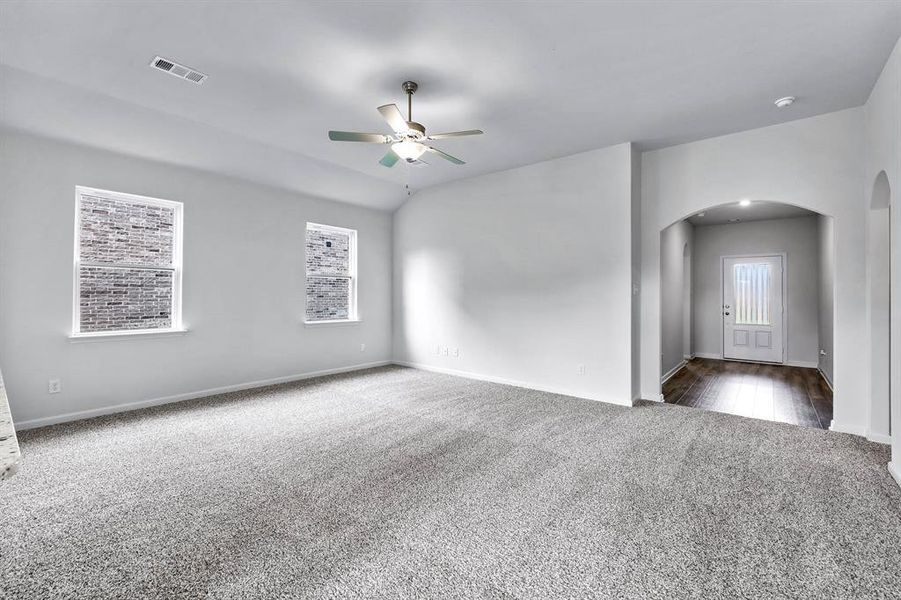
x: 441, y: 136
x: 395, y: 119
x: 353, y: 136
x: 446, y: 156
x: 390, y: 159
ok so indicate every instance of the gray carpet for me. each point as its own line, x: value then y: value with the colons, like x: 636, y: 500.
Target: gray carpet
x: 395, y: 483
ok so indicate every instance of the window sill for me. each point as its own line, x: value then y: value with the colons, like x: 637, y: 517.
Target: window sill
x: 332, y: 323
x: 110, y: 336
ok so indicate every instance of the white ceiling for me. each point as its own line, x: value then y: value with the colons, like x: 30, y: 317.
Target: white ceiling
x: 757, y: 211
x: 542, y: 79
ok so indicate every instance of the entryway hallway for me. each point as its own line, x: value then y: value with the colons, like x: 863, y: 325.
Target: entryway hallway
x: 794, y: 395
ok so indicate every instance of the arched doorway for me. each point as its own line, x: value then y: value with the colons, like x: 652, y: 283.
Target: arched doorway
x: 783, y: 255
x: 879, y: 277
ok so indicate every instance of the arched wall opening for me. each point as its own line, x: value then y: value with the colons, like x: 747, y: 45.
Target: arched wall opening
x: 879, y: 300
x: 808, y: 163
x: 691, y: 280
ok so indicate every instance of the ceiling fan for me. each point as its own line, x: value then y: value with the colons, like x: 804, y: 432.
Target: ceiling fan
x: 408, y: 139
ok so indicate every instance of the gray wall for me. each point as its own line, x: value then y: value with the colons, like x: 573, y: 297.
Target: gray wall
x: 883, y: 153
x: 243, y: 284
x: 673, y: 301
x: 826, y: 281
x: 798, y: 239
x: 636, y: 273
x: 527, y: 272
x: 879, y: 246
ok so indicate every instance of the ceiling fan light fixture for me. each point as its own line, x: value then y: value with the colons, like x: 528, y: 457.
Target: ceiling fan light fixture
x: 406, y: 142
x: 408, y: 149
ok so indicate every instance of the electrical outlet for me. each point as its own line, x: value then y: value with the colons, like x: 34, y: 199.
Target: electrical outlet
x: 362, y: 347
x: 580, y: 369
x: 456, y: 353
x: 53, y: 386
x: 445, y: 351
x: 438, y: 349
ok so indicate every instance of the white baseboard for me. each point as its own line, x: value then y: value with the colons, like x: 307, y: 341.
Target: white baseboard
x: 688, y: 356
x: 117, y: 408
x: 513, y: 382
x: 879, y: 438
x: 895, y: 470
x: 669, y: 374
x: 826, y: 379
x: 652, y: 397
x: 845, y: 428
x: 804, y: 364
x: 789, y: 363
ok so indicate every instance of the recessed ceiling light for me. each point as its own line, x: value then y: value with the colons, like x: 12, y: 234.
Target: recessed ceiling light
x: 785, y: 102
x: 734, y: 220
x: 745, y: 202
x: 701, y: 214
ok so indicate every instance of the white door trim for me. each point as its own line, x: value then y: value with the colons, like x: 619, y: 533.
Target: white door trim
x: 785, y: 340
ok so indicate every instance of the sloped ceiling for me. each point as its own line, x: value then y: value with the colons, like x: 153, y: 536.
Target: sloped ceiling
x: 542, y: 79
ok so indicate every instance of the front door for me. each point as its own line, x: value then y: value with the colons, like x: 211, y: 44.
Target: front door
x: 752, y: 308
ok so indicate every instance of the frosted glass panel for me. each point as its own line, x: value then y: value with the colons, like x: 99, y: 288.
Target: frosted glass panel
x: 752, y: 293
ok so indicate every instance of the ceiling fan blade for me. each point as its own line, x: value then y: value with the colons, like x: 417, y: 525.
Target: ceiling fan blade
x: 395, y: 119
x: 441, y: 136
x: 390, y: 159
x: 353, y: 136
x: 446, y: 156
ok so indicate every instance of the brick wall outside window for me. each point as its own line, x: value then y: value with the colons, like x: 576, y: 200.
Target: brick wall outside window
x: 126, y: 273
x: 115, y: 231
x: 123, y: 299
x: 329, y: 268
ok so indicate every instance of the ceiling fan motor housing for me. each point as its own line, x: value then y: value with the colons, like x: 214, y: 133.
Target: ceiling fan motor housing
x: 417, y: 130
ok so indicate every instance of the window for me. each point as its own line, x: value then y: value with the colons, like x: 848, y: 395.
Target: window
x: 752, y: 293
x: 331, y: 274
x: 127, y: 263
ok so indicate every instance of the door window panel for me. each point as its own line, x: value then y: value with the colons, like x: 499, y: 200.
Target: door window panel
x: 752, y: 293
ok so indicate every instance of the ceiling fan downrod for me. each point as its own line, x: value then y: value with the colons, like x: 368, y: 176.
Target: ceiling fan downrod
x: 410, y: 88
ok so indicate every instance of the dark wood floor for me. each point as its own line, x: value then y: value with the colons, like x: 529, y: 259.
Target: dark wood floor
x: 771, y: 392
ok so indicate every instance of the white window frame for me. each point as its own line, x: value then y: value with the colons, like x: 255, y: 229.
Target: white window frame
x: 176, y: 325
x: 352, y: 309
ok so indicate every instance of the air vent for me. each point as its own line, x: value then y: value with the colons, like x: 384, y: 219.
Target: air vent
x: 173, y: 68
